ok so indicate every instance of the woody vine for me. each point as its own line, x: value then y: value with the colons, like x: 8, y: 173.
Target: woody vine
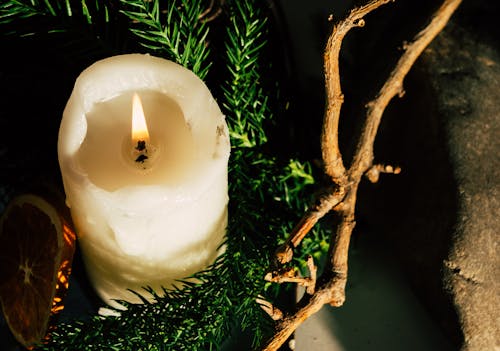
x: 267, y: 191
x: 340, y: 196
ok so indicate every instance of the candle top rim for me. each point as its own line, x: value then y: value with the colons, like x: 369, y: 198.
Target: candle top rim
x: 116, y: 75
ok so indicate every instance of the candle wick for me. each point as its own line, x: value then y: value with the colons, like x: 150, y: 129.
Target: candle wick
x: 143, y: 151
x: 141, y: 145
x: 141, y: 158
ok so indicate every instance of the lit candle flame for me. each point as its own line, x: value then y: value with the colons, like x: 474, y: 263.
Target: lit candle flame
x: 139, y: 127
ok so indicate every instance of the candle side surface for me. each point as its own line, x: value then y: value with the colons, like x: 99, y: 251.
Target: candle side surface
x: 144, y: 228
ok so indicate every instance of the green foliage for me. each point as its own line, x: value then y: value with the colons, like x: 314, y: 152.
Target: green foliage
x: 267, y: 195
x: 175, y: 32
x: 14, y: 11
x: 78, y: 31
x: 243, y: 88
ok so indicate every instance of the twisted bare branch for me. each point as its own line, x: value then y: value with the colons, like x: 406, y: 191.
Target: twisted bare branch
x: 345, y: 183
x: 332, y: 157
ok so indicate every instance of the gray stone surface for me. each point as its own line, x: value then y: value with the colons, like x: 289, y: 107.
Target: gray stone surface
x: 465, y: 74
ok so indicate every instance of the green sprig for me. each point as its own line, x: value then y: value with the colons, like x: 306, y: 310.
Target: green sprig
x: 15, y: 11
x: 78, y: 31
x: 176, y: 33
x: 244, y: 99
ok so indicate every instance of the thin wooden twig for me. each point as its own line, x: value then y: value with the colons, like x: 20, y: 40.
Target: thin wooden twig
x: 273, y: 312
x: 332, y: 157
x: 290, y: 276
x: 332, y: 290
x: 373, y: 173
x: 394, y: 86
x: 313, y: 270
x: 325, y: 202
x: 312, y: 304
x: 210, y: 14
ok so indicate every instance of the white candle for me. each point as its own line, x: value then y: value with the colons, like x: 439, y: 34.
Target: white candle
x: 144, y: 223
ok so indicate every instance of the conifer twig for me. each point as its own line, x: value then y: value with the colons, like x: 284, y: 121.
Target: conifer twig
x: 332, y: 289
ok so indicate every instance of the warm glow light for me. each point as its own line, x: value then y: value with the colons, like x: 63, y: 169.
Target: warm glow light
x: 139, y: 127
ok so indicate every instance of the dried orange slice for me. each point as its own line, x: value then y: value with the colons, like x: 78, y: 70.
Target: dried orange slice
x: 36, y: 252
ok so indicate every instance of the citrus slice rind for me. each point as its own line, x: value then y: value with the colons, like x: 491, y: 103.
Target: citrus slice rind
x: 36, y: 252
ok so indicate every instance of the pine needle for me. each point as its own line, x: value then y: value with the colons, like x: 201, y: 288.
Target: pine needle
x: 175, y: 32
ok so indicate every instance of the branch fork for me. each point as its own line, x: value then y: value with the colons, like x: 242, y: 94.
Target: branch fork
x: 326, y: 201
x: 290, y: 275
x: 273, y: 312
x: 340, y: 196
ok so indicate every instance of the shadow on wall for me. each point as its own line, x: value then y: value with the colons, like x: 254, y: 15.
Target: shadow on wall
x: 416, y: 210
